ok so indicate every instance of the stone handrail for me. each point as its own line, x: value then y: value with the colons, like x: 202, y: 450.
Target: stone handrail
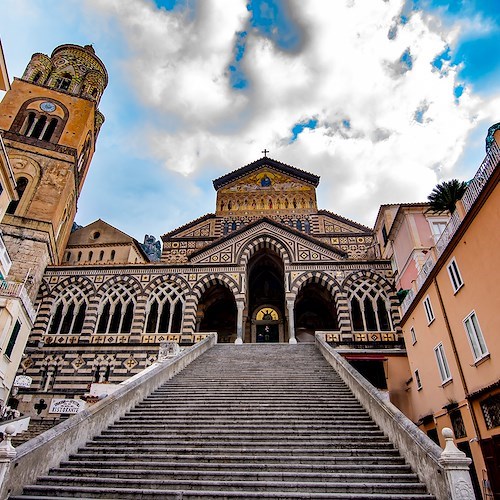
x: 35, y: 457
x: 424, y: 456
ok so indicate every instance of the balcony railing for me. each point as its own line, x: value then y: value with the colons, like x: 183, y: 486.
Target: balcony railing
x: 5, y: 261
x: 472, y: 192
x: 17, y: 290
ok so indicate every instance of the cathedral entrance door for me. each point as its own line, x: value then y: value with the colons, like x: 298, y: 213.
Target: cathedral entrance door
x: 267, y: 326
x: 268, y: 333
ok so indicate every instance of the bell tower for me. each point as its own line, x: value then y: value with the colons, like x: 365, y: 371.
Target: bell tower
x: 50, y: 122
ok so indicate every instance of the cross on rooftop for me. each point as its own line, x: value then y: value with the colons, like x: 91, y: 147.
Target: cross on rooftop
x: 265, y: 152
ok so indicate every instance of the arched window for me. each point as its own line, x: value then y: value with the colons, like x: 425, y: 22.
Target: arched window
x: 69, y: 312
x: 369, y: 308
x: 68, y: 256
x: 165, y: 309
x: 37, y: 77
x: 113, y: 253
x: 91, y: 254
x: 21, y: 185
x: 39, y: 127
x: 299, y: 225
x: 28, y: 124
x: 47, y: 135
x: 101, y: 255
x: 226, y: 227
x: 233, y: 226
x: 117, y: 312
x: 79, y: 258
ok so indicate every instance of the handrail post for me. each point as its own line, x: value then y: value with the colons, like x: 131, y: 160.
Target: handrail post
x: 455, y: 465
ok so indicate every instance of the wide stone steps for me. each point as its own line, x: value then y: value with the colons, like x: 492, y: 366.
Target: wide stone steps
x: 227, y: 467
x: 242, y: 422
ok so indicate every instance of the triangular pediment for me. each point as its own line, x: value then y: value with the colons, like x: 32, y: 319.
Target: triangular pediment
x: 201, y: 227
x: 275, y: 166
x: 298, y: 248
x: 98, y: 233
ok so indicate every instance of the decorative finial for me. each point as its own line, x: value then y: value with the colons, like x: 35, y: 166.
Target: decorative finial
x: 265, y: 152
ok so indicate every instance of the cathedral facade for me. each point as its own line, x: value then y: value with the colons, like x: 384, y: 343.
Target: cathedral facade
x: 266, y: 266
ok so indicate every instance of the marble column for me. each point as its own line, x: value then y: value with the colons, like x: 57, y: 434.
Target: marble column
x: 291, y: 323
x: 239, y: 322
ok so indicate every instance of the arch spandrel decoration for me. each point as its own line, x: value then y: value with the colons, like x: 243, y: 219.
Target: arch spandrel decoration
x: 256, y: 243
x: 329, y: 282
x: 215, y: 279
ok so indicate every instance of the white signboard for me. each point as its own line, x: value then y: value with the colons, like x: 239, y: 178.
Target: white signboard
x: 22, y: 381
x: 66, y: 405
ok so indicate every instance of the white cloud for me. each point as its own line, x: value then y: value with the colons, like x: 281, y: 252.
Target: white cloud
x: 346, y: 69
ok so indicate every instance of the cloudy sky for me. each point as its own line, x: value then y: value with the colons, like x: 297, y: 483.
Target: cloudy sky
x: 382, y: 99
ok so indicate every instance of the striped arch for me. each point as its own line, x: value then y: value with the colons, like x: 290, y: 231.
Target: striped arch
x: 161, y: 309
x: 128, y: 282
x: 319, y: 277
x: 81, y: 286
x: 166, y: 278
x: 199, y: 289
x: 351, y: 280
x: 214, y: 279
x: 82, y: 282
x: 265, y: 241
x: 129, y: 289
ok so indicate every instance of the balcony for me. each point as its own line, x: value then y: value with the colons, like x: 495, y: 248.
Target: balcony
x: 474, y: 189
x: 5, y: 261
x: 10, y: 289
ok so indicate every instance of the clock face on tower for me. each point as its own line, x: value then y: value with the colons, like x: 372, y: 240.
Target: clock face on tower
x: 47, y: 106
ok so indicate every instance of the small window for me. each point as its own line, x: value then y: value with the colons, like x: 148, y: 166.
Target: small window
x: 475, y: 335
x: 79, y: 258
x: 437, y: 228
x: 63, y: 82
x: 101, y: 255
x: 113, y: 253
x: 455, y: 277
x: 417, y: 380
x: 413, y: 336
x: 384, y: 235
x: 444, y: 369
x: 13, y: 338
x: 37, y: 77
x: 68, y: 256
x: 91, y: 254
x: 428, y: 310
x: 491, y: 411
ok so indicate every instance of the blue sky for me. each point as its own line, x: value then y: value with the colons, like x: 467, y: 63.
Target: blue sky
x: 382, y: 99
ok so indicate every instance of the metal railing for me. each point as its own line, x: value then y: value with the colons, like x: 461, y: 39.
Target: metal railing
x: 472, y: 192
x: 17, y: 290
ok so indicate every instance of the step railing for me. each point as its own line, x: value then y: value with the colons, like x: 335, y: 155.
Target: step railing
x: 445, y: 473
x: 22, y: 466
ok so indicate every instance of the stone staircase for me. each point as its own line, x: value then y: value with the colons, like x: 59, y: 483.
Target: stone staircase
x: 251, y: 421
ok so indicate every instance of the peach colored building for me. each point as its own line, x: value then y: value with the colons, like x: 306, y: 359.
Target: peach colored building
x: 406, y: 233
x: 450, y: 323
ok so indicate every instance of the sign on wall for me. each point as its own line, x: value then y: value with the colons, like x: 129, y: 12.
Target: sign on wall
x: 66, y: 405
x: 23, y: 381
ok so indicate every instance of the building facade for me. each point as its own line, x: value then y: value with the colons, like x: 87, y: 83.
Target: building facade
x: 450, y: 324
